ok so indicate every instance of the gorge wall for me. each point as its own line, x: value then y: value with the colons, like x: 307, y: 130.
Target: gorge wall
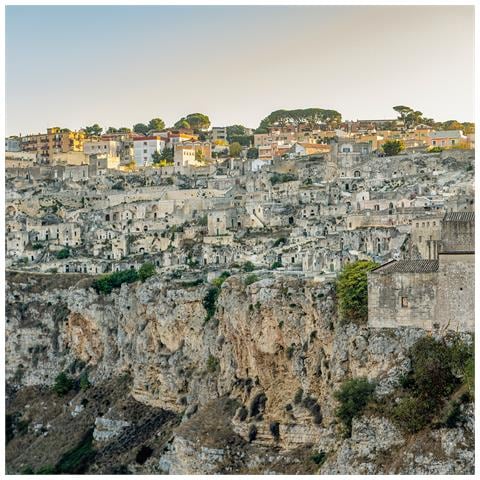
x: 249, y: 391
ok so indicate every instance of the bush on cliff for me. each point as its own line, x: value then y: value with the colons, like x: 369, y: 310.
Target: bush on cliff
x: 147, y: 270
x: 352, y: 290
x: 353, y: 396
x: 63, y: 384
x: 210, y: 302
x: 441, y: 371
x: 107, y: 283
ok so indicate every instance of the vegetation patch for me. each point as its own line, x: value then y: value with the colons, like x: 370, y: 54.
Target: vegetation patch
x: 282, y: 178
x: 441, y: 370
x: 78, y: 459
x: 252, y: 278
x: 352, y: 290
x: 319, y: 458
x: 210, y: 302
x: 63, y: 384
x: 213, y: 364
x: 353, y: 396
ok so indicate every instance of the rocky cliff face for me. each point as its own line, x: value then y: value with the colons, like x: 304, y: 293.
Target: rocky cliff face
x: 269, y: 360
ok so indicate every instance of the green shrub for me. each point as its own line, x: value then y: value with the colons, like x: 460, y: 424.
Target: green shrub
x: 219, y: 280
x: 28, y: 470
x: 451, y: 415
x: 77, y: 459
x: 282, y: 178
x: 213, y: 364
x: 63, y: 253
x: 46, y: 470
x: 84, y: 382
x: 63, y: 384
x: 469, y: 376
x: 412, y: 414
x: 147, y: 270
x: 353, y: 396
x: 210, y: 302
x: 352, y: 290
x: 107, y: 283
x: 438, y: 369
x: 248, y: 267
x: 279, y: 241
x: 431, y: 362
x: 276, y: 265
x: 436, y: 149
x: 393, y: 147
x: 37, y: 246
x: 252, y: 278
x: 319, y: 458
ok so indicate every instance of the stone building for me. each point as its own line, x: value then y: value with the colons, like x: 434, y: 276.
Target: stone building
x: 430, y: 294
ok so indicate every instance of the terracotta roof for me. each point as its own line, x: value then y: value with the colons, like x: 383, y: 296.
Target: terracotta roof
x: 314, y: 145
x: 408, y: 266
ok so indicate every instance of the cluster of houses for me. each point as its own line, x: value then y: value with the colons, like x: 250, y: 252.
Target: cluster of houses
x: 307, y: 212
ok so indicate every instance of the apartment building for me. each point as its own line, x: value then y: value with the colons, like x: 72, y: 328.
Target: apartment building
x: 56, y: 140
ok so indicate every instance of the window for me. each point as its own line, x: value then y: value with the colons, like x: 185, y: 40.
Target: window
x: 404, y: 302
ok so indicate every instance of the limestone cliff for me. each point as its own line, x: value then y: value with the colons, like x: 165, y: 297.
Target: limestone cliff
x: 269, y: 359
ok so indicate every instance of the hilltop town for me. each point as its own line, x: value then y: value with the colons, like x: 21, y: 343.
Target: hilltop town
x: 303, y: 197
x: 176, y: 297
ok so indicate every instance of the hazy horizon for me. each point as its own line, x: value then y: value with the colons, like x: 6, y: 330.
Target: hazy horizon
x: 72, y: 66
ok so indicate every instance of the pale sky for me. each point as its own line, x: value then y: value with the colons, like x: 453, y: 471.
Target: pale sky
x: 116, y: 66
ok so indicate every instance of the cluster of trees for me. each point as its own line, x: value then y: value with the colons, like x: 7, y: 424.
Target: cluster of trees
x: 93, y: 130
x: 118, y: 130
x: 352, y: 291
x: 155, y: 124
x: 107, y: 283
x: 163, y: 157
x: 440, y: 379
x: 239, y: 134
x: 412, y: 118
x: 194, y: 121
x: 311, y: 117
x: 393, y: 147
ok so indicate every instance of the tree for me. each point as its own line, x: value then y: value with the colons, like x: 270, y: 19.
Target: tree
x: 409, y: 116
x: 312, y: 117
x: 352, y: 290
x: 141, y: 128
x: 167, y: 154
x: 156, y: 157
x: 393, y: 147
x: 156, y: 124
x: 235, y: 149
x: 235, y: 130
x: 94, y: 130
x: 182, y: 123
x: 252, y: 152
x: 194, y: 121
x: 112, y: 130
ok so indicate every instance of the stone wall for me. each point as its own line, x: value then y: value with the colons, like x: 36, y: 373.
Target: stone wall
x: 386, y: 307
x: 455, y: 307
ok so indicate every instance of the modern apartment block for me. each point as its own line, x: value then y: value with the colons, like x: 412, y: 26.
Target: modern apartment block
x: 56, y: 140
